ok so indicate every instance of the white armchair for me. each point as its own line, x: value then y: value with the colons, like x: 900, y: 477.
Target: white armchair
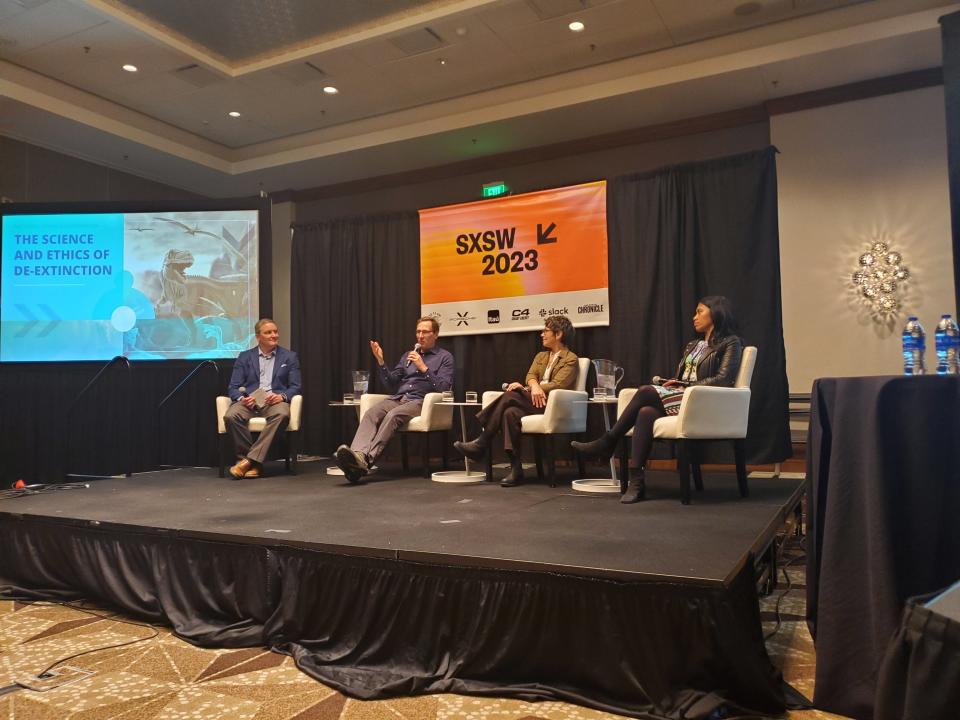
x: 707, y: 413
x: 566, y: 413
x: 256, y: 424
x: 435, y: 416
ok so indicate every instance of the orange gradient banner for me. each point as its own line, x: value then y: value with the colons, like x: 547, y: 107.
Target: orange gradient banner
x: 532, y: 245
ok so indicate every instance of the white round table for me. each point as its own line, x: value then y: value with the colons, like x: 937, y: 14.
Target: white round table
x: 465, y: 476
x: 608, y: 485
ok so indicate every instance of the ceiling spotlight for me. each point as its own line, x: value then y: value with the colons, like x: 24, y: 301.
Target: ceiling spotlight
x: 442, y: 61
x: 330, y: 90
x: 576, y: 26
x: 233, y: 113
x: 130, y: 68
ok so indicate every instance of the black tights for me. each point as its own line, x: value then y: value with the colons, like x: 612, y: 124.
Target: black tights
x: 645, y: 409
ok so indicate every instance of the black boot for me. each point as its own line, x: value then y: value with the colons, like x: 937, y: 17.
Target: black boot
x: 636, y: 487
x: 602, y: 447
x: 516, y: 471
x: 475, y: 449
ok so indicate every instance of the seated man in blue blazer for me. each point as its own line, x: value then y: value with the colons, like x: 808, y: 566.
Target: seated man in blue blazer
x: 269, y: 374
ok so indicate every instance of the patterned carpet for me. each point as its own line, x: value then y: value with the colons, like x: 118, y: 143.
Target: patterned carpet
x: 139, y: 672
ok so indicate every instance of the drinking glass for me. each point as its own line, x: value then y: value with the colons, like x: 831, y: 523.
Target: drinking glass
x: 348, y: 398
x: 599, y: 393
x: 471, y: 396
x: 361, y: 381
x: 448, y: 396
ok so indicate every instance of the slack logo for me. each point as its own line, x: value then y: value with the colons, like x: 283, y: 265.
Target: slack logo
x: 493, y: 317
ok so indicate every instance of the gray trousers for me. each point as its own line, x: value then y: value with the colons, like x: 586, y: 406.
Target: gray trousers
x: 380, y: 423
x: 236, y: 419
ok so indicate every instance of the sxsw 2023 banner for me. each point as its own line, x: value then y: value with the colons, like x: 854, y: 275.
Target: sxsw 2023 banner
x: 504, y: 265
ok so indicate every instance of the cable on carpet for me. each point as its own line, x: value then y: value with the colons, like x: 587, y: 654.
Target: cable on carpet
x: 112, y: 618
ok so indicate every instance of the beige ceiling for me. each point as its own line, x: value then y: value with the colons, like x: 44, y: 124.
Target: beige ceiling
x: 421, y: 82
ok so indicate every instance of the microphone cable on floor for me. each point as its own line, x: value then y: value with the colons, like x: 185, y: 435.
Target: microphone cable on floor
x: 19, y: 489
x: 73, y: 606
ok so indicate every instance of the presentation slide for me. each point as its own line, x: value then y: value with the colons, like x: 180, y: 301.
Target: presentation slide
x: 504, y: 265
x: 150, y: 286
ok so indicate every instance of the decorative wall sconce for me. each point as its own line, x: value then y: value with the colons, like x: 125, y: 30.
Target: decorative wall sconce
x: 880, y: 277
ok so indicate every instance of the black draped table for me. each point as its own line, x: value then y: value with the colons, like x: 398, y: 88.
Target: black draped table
x: 883, y: 474
x: 920, y: 675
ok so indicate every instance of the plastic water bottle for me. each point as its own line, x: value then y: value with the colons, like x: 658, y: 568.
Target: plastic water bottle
x: 914, y: 343
x: 948, y: 346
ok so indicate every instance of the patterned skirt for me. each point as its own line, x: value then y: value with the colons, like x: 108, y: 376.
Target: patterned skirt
x: 670, y: 397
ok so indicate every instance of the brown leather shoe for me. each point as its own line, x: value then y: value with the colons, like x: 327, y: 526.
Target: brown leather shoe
x: 254, y: 471
x: 242, y: 467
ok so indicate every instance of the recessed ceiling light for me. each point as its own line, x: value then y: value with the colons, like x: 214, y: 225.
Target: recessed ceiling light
x: 576, y: 26
x: 442, y: 61
x: 330, y: 90
x: 130, y: 68
x: 233, y: 113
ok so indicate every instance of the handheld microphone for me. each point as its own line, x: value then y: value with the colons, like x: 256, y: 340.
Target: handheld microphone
x: 505, y: 386
x: 416, y: 348
x: 657, y: 380
x: 242, y: 390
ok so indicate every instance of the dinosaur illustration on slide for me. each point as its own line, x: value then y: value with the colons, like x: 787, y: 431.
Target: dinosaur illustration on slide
x: 193, y: 296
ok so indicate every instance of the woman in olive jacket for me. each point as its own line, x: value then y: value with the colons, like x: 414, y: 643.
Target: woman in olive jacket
x: 712, y: 360
x: 555, y: 367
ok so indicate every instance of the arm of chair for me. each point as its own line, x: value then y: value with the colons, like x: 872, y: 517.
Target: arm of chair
x: 624, y: 398
x: 708, y: 412
x: 223, y: 404
x: 489, y: 396
x: 367, y: 401
x: 436, y: 414
x: 566, y: 411
x: 296, y: 406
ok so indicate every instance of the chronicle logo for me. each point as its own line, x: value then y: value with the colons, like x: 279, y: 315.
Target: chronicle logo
x: 554, y: 311
x: 590, y: 309
x: 462, y: 318
x: 520, y: 314
x: 493, y: 317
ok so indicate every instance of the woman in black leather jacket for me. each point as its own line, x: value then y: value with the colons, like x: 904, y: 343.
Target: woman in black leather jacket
x: 714, y: 360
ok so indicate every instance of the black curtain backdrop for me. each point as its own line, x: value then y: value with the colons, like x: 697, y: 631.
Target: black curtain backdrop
x: 115, y: 428
x: 675, y: 235
x: 950, y: 34
x: 352, y: 280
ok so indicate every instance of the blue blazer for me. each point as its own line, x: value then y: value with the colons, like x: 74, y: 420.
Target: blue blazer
x: 246, y: 373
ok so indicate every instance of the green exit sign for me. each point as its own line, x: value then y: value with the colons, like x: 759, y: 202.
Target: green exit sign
x: 495, y: 189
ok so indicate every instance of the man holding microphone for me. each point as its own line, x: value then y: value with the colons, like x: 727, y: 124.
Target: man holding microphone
x: 425, y: 369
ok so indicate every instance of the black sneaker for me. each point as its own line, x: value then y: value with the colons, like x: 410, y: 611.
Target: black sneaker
x: 353, y: 475
x: 348, y: 459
